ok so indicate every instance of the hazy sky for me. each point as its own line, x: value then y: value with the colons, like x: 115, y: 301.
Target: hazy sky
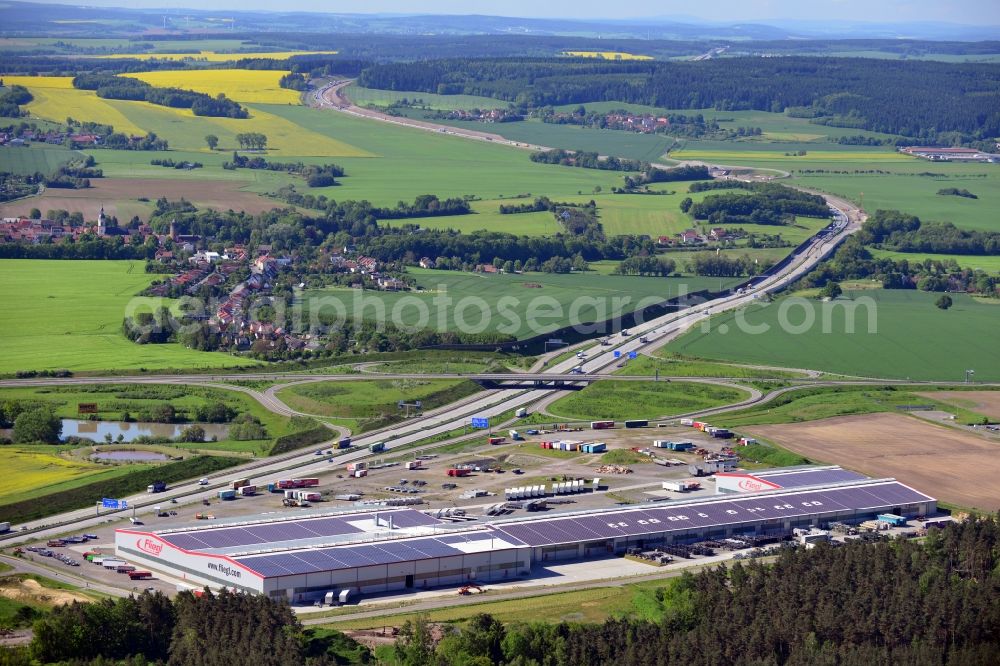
x: 981, y: 12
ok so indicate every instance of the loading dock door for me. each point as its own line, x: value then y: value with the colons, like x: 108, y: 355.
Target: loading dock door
x: 409, y: 581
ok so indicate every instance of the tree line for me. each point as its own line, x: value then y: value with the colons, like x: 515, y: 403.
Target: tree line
x: 11, y: 100
x: 123, y: 87
x: 918, y: 99
x: 902, y: 232
x: 764, y: 203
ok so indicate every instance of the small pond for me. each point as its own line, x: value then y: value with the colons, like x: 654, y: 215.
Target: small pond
x: 96, y: 430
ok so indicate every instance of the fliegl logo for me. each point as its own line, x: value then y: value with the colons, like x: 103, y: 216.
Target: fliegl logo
x: 147, y: 545
x: 751, y: 485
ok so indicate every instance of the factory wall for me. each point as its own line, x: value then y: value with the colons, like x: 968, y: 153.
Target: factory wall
x: 481, y: 567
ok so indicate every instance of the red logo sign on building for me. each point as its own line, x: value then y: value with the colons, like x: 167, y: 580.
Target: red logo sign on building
x: 147, y: 545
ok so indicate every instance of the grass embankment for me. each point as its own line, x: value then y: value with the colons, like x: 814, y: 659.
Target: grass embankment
x: 25, y: 597
x: 637, y: 400
x: 68, y: 315
x: 673, y: 365
x: 647, y: 600
x: 366, y: 405
x: 811, y: 404
x: 898, y: 334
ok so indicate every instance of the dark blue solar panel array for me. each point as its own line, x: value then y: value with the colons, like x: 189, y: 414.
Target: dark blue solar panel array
x: 346, y: 557
x: 291, y: 530
x: 811, y: 477
x: 572, y: 529
x: 636, y: 522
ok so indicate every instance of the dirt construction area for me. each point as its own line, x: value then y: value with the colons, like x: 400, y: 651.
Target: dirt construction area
x: 945, y: 463
x: 983, y: 402
x: 30, y: 590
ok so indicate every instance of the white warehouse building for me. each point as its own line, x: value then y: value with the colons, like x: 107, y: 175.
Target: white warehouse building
x: 303, y: 557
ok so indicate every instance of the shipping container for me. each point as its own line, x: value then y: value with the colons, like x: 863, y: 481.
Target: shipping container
x: 601, y: 425
x: 596, y: 447
x: 892, y: 519
x: 636, y: 423
x: 247, y: 491
x: 356, y: 466
x: 227, y: 494
x: 414, y: 464
x: 722, y: 433
x: 236, y: 484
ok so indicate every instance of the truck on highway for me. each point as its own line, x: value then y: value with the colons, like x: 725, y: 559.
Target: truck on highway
x: 643, y: 339
x: 4, y: 527
x: 377, y: 447
x: 156, y: 487
x: 521, y: 412
x: 344, y: 443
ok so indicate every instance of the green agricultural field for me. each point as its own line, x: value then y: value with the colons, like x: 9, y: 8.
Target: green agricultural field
x: 35, y: 159
x: 68, y: 314
x: 913, y: 338
x: 363, y: 403
x: 990, y: 264
x: 546, y: 298
x: 633, y: 145
x: 903, y: 189
x: 409, y: 162
x: 365, y: 96
x: 637, y: 400
x: 671, y: 365
x: 878, y: 178
x: 487, y: 216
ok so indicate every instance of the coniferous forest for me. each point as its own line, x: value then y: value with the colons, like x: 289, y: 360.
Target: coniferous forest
x: 916, y: 99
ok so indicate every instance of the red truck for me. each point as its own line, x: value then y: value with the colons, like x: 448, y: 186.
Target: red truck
x: 454, y: 471
x: 140, y: 575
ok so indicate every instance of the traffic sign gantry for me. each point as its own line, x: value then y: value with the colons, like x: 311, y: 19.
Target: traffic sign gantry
x: 480, y: 422
x: 107, y: 503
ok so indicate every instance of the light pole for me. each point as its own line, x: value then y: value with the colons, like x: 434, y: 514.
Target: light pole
x: 968, y: 375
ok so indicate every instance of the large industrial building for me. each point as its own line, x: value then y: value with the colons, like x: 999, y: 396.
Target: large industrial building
x: 301, y: 558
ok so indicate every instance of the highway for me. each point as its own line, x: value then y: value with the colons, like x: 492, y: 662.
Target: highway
x: 488, y: 404
x: 642, y: 338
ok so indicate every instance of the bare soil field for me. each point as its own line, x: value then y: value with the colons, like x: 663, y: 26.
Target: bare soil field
x: 984, y: 402
x: 947, y: 464
x: 120, y: 197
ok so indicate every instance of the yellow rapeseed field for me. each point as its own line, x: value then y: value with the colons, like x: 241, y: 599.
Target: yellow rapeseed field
x: 25, y: 469
x: 252, y: 86
x: 212, y: 56
x: 55, y: 99
x: 607, y: 55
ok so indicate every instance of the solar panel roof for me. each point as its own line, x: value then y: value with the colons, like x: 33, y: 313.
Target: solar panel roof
x: 286, y: 532
x: 540, y: 531
x: 809, y: 477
